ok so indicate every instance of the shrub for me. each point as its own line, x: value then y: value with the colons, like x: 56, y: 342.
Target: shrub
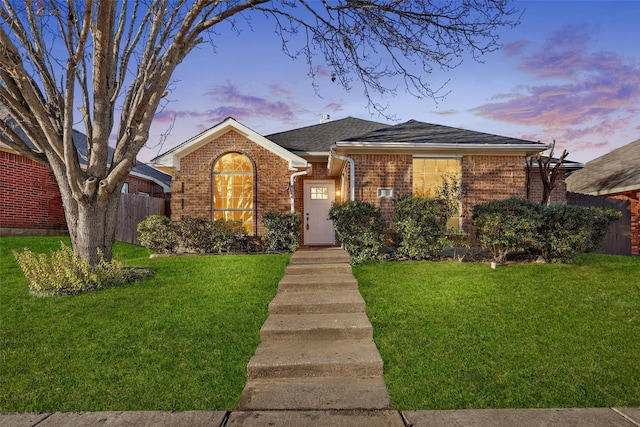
x: 507, y: 226
x: 196, y: 235
x: 567, y: 230
x: 283, y: 231
x: 422, y: 226
x: 601, y: 219
x: 158, y: 233
x: 361, y: 229
x: 64, y: 272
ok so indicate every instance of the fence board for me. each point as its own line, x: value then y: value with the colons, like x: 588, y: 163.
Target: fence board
x: 618, y: 240
x: 131, y: 211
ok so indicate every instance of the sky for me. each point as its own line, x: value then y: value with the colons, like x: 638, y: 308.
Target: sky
x: 570, y: 72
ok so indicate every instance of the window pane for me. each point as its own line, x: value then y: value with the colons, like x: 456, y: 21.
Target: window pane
x: 233, y: 189
x: 429, y: 176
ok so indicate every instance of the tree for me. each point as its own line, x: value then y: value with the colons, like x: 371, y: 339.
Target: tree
x: 548, y: 174
x: 62, y: 59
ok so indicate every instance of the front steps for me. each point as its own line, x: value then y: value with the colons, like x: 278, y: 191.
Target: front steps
x: 317, y: 350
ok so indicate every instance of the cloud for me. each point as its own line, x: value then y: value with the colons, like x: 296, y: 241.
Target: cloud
x: 231, y: 101
x: 580, y: 96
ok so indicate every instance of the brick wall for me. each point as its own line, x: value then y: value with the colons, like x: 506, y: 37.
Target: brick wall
x: 191, y: 185
x: 29, y: 194
x: 373, y: 171
x: 558, y: 194
x: 31, y: 199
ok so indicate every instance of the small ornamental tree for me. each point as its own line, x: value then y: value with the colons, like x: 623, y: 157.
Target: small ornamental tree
x: 507, y: 226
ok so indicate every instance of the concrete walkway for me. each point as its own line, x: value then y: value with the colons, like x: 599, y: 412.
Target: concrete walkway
x: 317, y: 365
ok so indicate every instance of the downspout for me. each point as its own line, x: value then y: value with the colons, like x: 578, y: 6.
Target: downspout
x: 292, y: 192
x: 352, y: 172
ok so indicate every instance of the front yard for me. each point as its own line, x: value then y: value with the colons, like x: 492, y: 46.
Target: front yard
x: 458, y: 335
x: 452, y: 335
x: 179, y: 340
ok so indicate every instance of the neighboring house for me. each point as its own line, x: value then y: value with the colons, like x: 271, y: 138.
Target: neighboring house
x: 229, y: 171
x: 31, y: 200
x: 615, y: 175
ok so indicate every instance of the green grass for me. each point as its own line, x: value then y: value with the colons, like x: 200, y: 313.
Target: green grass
x: 460, y: 335
x: 179, y: 340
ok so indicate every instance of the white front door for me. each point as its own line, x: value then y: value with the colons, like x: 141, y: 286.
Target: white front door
x: 318, y: 197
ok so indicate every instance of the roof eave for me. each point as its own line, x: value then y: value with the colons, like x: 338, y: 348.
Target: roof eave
x: 533, y: 147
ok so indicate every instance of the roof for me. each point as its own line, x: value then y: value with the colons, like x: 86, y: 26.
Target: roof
x: 172, y: 157
x: 319, y: 138
x: 615, y: 172
x: 414, y: 133
x: 141, y: 170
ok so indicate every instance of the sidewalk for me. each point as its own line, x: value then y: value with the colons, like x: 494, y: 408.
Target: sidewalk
x: 600, y: 417
x: 317, y: 365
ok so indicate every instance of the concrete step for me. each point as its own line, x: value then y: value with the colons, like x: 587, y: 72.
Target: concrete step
x: 327, y: 282
x: 327, y: 418
x: 342, y: 301
x: 318, y: 269
x: 330, y: 326
x: 325, y: 256
x: 301, y: 357
x: 343, y: 393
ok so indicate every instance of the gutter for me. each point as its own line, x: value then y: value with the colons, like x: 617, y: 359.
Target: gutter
x: 352, y: 172
x: 292, y: 180
x: 447, y: 146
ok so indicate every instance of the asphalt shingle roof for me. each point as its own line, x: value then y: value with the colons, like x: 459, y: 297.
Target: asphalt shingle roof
x: 318, y: 138
x: 415, y: 132
x: 617, y: 169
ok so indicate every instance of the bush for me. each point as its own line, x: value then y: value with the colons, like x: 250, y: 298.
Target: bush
x: 422, y: 226
x: 196, y: 235
x: 361, y: 229
x: 64, y: 272
x: 567, y: 230
x: 283, y: 231
x: 158, y: 233
x: 507, y: 226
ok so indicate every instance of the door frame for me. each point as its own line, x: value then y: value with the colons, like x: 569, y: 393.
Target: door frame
x: 331, y: 184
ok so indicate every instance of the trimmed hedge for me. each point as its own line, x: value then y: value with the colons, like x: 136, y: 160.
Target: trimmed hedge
x: 422, y: 226
x: 283, y: 231
x: 361, y: 229
x: 507, y: 226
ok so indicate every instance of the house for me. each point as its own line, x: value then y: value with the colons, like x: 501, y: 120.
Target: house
x: 32, y: 203
x: 230, y: 171
x: 614, y: 175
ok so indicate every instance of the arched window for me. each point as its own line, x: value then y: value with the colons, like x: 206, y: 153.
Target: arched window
x: 233, y: 190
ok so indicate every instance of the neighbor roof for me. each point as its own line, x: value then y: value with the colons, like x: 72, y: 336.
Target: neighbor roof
x: 319, y: 138
x: 141, y: 170
x: 615, y: 172
x: 415, y: 133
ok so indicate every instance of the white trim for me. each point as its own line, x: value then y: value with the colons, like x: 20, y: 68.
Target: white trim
x: 440, y: 146
x: 172, y: 158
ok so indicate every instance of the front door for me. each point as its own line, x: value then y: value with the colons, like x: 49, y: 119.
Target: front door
x: 318, y: 197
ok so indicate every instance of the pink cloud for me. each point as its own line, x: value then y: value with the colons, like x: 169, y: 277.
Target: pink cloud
x: 575, y: 94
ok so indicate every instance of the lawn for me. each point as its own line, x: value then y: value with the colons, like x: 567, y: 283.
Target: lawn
x: 179, y: 340
x: 461, y: 335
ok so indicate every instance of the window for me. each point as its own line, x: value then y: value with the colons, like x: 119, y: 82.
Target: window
x: 429, y: 175
x: 233, y: 190
x: 319, y: 193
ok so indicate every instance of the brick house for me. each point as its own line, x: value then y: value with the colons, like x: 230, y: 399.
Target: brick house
x: 31, y: 200
x: 615, y: 175
x: 229, y: 171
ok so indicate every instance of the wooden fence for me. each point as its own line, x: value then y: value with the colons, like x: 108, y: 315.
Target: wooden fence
x: 133, y: 209
x: 618, y: 240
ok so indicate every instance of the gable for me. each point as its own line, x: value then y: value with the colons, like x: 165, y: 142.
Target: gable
x: 172, y: 157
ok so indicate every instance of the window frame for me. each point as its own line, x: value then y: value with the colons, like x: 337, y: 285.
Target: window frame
x: 458, y: 158
x: 233, y: 173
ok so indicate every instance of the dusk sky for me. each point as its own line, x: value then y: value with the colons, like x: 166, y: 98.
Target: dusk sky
x: 570, y: 72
